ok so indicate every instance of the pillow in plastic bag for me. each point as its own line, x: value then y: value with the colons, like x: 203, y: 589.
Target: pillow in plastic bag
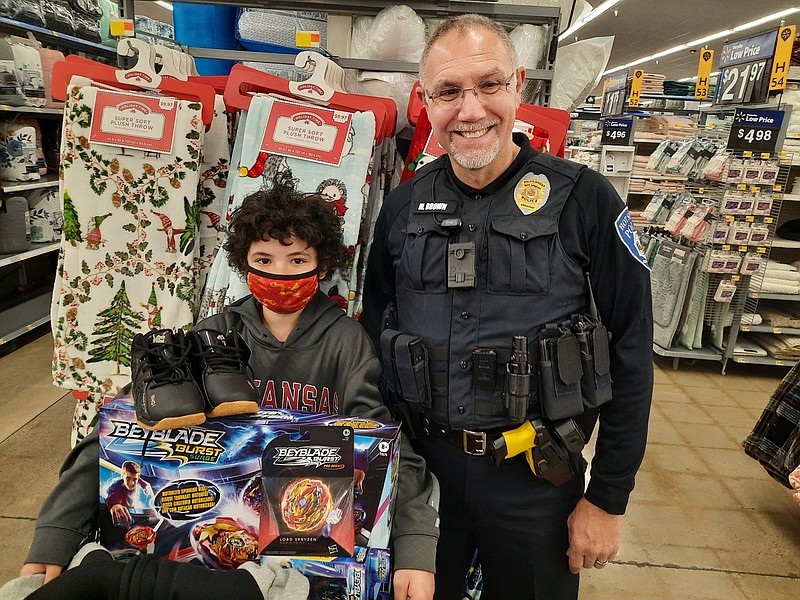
x: 578, y: 69
x: 10, y: 92
x: 58, y: 16
x: 396, y: 33
x: 28, y: 65
x: 531, y: 43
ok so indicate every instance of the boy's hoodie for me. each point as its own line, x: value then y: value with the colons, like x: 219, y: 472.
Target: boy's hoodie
x: 327, y: 364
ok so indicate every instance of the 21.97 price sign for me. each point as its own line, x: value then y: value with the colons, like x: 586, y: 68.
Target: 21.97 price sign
x: 756, y: 130
x: 745, y: 70
x: 617, y: 132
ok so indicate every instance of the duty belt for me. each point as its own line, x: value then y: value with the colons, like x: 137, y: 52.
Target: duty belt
x: 474, y: 443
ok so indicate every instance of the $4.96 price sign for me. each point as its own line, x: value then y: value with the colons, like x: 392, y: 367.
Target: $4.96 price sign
x: 756, y: 130
x: 617, y: 132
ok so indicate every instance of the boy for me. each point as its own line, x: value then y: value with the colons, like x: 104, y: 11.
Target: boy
x: 283, y: 242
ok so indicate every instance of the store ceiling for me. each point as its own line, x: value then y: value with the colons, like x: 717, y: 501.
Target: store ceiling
x: 645, y: 27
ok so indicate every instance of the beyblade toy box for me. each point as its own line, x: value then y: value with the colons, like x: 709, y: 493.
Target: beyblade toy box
x: 195, y: 493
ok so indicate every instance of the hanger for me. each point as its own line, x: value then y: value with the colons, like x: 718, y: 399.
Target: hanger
x: 136, y: 79
x: 244, y: 81
x: 171, y: 63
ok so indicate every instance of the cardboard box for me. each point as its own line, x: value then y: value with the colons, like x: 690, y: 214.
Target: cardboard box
x: 199, y: 492
x: 365, y: 576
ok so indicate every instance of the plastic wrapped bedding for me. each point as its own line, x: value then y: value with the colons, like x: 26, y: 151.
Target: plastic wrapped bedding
x: 395, y: 33
x: 578, y: 69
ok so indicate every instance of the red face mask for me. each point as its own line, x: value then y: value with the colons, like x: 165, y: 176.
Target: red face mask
x: 283, y: 294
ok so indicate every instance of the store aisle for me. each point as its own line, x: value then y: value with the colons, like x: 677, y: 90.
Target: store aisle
x: 705, y: 522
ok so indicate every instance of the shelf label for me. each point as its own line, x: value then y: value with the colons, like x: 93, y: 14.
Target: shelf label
x: 617, y: 132
x: 134, y: 121
x: 745, y: 67
x: 780, y: 63
x: 765, y: 155
x: 309, y: 133
x: 755, y: 130
x: 776, y: 330
x: 636, y: 88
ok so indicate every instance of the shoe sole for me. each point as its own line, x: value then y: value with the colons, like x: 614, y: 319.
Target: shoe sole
x: 235, y: 407
x: 174, y: 422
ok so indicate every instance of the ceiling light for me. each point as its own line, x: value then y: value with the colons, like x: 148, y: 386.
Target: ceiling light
x: 704, y: 40
x: 590, y: 17
x: 167, y: 5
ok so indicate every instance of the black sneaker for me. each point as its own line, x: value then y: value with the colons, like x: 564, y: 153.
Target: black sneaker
x: 219, y: 363
x: 165, y: 394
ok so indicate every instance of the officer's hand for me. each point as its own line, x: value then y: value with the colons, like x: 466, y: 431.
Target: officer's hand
x: 414, y: 584
x: 594, y: 536
x: 50, y: 571
x: 120, y: 516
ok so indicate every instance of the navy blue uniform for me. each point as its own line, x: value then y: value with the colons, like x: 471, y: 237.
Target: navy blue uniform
x: 535, y: 230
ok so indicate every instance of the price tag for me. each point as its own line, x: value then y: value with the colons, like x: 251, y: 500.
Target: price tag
x: 745, y: 70
x: 617, y: 132
x: 755, y: 130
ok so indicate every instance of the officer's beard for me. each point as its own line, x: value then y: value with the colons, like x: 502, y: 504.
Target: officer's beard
x: 475, y: 159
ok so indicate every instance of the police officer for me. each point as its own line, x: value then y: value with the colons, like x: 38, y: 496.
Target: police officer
x: 488, y: 242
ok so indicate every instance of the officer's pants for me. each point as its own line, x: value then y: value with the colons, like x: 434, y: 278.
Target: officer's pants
x: 517, y: 522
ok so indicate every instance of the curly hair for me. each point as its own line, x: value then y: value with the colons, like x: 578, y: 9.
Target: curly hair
x: 281, y: 212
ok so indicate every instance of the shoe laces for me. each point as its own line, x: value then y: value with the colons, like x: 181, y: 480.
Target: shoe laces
x: 169, y: 362
x: 224, y: 357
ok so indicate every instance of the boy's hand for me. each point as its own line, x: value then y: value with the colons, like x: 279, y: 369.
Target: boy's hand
x: 410, y: 583
x: 50, y: 571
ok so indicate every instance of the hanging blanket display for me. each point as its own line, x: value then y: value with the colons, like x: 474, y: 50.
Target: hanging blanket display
x: 670, y: 279
x: 127, y: 263
x: 338, y: 173
x: 212, y: 199
x: 775, y: 439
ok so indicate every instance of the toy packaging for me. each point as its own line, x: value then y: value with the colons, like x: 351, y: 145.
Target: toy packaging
x: 364, y: 576
x: 195, y: 493
x: 307, y: 498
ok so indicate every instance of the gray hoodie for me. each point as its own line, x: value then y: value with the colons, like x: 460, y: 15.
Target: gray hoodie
x: 327, y: 364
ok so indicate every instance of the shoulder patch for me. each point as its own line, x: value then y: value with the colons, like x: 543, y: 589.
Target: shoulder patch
x: 630, y: 237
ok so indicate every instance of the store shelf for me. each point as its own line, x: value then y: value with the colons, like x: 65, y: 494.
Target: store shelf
x: 10, y: 259
x: 55, y: 38
x: 655, y: 178
x: 782, y: 243
x: 768, y: 329
x: 47, y: 181
x: 791, y: 197
x: 535, y: 15
x: 55, y: 112
x: 760, y: 296
x: 25, y: 316
x: 762, y: 360
x: 700, y: 354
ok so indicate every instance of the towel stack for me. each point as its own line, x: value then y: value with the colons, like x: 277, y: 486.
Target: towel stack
x: 780, y: 278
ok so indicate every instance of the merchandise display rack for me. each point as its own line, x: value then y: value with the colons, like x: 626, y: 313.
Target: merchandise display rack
x: 31, y: 307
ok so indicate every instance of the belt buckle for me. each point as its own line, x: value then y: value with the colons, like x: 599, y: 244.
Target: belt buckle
x: 478, y: 438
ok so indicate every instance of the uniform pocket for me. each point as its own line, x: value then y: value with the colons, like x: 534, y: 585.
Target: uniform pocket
x: 519, y: 254
x: 424, y: 259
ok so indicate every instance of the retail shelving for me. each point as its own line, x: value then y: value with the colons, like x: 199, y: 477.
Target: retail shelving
x: 10, y: 259
x: 27, y: 315
x: 55, y: 38
x: 506, y: 13
x: 48, y: 181
x: 54, y: 112
x: 761, y: 360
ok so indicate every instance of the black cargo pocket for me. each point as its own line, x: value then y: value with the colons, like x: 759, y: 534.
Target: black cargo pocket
x: 519, y: 254
x: 423, y: 266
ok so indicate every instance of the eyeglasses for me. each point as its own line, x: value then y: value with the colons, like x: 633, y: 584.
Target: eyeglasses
x: 454, y: 96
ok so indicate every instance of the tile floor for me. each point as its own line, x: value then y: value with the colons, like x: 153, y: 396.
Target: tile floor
x: 705, y: 521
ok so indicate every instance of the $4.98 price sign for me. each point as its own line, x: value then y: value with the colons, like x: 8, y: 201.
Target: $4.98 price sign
x: 756, y: 130
x: 617, y: 132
